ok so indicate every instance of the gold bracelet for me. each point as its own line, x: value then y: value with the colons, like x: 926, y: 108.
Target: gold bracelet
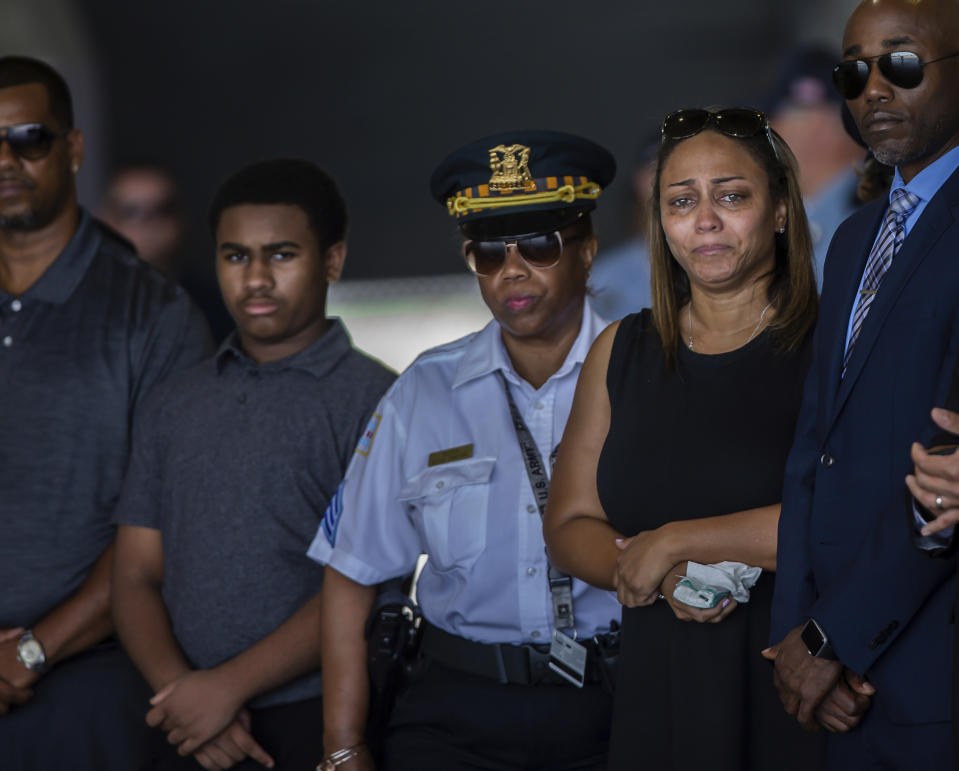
x: 335, y: 759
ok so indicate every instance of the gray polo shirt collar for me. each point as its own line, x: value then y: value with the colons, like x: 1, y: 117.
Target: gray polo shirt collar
x: 64, y: 275
x: 317, y: 359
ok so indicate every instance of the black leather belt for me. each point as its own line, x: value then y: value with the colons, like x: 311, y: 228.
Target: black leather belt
x: 514, y: 664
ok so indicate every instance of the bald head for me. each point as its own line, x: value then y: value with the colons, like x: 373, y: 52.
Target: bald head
x: 943, y: 13
x: 907, y: 127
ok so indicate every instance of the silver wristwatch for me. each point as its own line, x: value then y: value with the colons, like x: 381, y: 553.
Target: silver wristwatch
x: 30, y: 653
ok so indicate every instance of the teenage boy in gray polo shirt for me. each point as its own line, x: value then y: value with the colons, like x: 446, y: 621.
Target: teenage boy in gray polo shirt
x: 233, y: 465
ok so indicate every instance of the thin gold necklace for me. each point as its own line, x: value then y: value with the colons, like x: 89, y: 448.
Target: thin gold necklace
x: 689, y: 314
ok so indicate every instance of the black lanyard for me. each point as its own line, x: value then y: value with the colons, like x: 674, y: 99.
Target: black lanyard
x: 560, y: 584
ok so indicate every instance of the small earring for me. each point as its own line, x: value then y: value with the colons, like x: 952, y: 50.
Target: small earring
x: 75, y: 168
x: 781, y: 230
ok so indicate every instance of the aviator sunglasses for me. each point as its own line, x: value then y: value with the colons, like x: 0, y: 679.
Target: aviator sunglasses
x: 737, y: 122
x: 902, y: 69
x: 540, y: 251
x: 31, y: 141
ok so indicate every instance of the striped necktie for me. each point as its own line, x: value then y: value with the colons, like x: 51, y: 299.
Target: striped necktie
x: 890, y: 239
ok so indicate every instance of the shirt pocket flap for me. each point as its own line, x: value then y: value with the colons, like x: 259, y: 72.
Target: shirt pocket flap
x: 439, y: 480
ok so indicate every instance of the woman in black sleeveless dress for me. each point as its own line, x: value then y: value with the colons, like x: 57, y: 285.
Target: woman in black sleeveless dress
x: 676, y: 448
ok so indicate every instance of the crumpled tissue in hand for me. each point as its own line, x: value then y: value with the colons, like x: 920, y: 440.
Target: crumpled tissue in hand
x: 736, y: 577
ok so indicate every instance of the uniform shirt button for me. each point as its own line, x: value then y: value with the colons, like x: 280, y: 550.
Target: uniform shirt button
x: 827, y: 460
x: 7, y: 341
x: 534, y: 634
x: 439, y: 485
x: 531, y: 571
x: 16, y: 305
x: 540, y: 405
x: 531, y: 508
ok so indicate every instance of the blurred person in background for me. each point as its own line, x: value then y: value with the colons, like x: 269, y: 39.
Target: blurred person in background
x: 805, y: 110
x: 456, y: 464
x: 619, y: 282
x: 142, y: 204
x: 86, y: 331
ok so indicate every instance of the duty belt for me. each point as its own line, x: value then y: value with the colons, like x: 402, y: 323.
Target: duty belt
x: 514, y: 664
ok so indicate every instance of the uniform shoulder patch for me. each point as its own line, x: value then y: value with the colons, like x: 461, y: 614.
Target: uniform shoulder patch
x: 331, y: 517
x: 366, y: 441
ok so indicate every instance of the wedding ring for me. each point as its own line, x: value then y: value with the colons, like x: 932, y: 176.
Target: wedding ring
x: 939, y: 503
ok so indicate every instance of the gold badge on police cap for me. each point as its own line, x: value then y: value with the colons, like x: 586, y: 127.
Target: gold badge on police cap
x: 510, y: 167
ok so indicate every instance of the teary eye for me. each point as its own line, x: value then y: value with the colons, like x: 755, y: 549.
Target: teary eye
x: 733, y: 197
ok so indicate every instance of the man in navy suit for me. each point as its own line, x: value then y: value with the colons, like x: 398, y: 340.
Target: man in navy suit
x: 861, y: 618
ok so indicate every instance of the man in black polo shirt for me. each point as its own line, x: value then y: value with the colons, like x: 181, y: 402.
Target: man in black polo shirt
x: 234, y: 463
x: 86, y: 329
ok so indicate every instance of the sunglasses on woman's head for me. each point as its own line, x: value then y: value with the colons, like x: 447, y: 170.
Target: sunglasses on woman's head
x: 542, y: 251
x: 902, y: 69
x: 31, y: 141
x: 737, y: 122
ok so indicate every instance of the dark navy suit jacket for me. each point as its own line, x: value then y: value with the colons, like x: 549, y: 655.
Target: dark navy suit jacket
x: 845, y: 553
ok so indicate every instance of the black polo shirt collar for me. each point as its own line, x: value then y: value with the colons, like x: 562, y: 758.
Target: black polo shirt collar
x: 65, y: 273
x: 317, y: 359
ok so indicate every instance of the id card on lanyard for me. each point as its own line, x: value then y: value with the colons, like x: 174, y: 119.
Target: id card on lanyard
x: 566, y: 656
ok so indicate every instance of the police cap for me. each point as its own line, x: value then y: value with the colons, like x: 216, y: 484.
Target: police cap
x: 522, y: 182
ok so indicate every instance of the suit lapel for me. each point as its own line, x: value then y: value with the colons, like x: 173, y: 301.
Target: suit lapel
x: 935, y: 220
x: 854, y: 251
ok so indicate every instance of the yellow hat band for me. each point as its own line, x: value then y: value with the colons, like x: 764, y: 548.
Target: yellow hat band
x: 566, y: 189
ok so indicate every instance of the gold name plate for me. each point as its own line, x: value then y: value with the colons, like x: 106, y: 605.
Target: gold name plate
x: 440, y: 457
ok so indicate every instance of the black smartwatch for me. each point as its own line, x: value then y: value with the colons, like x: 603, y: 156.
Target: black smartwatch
x: 816, y: 641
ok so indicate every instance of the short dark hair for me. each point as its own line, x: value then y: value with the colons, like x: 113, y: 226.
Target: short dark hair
x: 287, y: 181
x: 22, y: 70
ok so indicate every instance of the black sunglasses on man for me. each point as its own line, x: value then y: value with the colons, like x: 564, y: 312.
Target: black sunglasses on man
x: 30, y: 141
x: 903, y: 69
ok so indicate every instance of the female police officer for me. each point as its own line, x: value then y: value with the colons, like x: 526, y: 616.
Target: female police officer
x: 455, y: 464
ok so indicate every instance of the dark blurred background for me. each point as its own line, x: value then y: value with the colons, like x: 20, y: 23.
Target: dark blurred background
x: 378, y: 92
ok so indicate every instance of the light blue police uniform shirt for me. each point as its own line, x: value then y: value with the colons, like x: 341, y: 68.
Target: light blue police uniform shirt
x: 476, y: 517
